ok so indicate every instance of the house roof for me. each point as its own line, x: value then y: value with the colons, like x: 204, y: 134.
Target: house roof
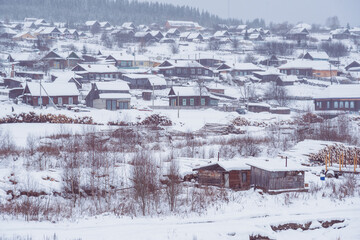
x: 112, y: 86
x: 184, y: 63
x: 221, y: 33
x: 114, y: 95
x: 288, y: 78
x: 308, y: 64
x: 241, y: 66
x: 53, y: 89
x: 298, y: 30
x: 194, y: 35
x: 340, y: 31
x: 228, y: 165
x: 99, y: 68
x: 189, y: 91
x: 24, y: 56
x: 347, y: 91
x: 318, y: 55
x: 275, y: 165
x: 90, y: 23
x: 153, y: 79
x: 172, y: 30
x: 187, y: 24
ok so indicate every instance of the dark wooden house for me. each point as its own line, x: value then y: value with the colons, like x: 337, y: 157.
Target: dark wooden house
x: 191, y: 97
x: 28, y: 74
x: 145, y: 81
x: 273, y: 61
x: 354, y: 64
x: 55, y: 60
x: 274, y: 179
x: 50, y: 93
x: 90, y: 72
x: 239, y: 69
x: 233, y: 174
x: 341, y: 33
x: 339, y: 98
x: 297, y: 33
x: 183, y: 68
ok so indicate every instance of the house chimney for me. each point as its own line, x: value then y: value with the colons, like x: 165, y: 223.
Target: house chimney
x: 89, y: 66
x: 12, y: 74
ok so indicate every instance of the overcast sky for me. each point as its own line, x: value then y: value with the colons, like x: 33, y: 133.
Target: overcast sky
x: 309, y: 11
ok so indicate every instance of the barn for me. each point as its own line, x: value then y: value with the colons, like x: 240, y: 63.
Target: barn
x: 273, y: 178
x: 228, y: 174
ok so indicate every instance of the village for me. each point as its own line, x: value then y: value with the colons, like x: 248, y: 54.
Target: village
x: 179, y: 120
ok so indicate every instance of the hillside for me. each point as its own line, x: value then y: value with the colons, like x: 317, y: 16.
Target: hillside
x: 115, y: 12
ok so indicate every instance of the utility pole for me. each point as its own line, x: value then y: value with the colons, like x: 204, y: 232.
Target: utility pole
x: 178, y: 103
x: 153, y: 95
x: 330, y: 74
x: 40, y: 95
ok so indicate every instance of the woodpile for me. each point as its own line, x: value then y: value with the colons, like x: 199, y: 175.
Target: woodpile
x: 32, y: 117
x: 156, y: 120
x: 336, y: 152
x: 310, y: 118
x: 219, y: 129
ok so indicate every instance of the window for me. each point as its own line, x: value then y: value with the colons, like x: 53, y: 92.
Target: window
x: 341, y: 105
x: 328, y: 105
x: 178, y: 71
x: 39, y: 101
x: 199, y: 71
x: 202, y: 101
x: 318, y: 104
x: 71, y: 101
x: 352, y: 104
x: 193, y: 71
x: 184, y: 102
x: 60, y: 102
x: 241, y: 73
x: 184, y: 71
x: 346, y: 104
x: 191, y: 102
x: 206, y: 72
x: 243, y: 177
x: 336, y: 104
x: 297, y: 72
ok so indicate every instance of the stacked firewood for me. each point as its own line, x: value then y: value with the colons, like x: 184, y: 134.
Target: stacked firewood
x: 156, y: 120
x: 333, y: 154
x: 32, y: 117
x: 219, y: 129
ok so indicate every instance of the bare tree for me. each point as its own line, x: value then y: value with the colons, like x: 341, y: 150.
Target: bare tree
x: 174, y: 47
x: 277, y: 93
x: 173, y: 186
x: 145, y: 179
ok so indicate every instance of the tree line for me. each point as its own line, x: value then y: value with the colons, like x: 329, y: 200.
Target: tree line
x: 116, y: 12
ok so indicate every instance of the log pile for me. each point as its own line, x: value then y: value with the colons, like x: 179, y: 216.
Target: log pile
x: 220, y: 129
x: 336, y: 152
x: 156, y: 120
x: 32, y: 117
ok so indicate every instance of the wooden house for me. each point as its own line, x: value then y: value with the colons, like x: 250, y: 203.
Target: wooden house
x: 183, y: 68
x: 157, y: 35
x: 47, y: 33
x: 46, y: 93
x: 24, y: 59
x: 194, y: 37
x: 258, y: 107
x: 286, y: 80
x: 145, y: 81
x: 143, y: 37
x: 273, y: 178
x: 354, y: 64
x: 308, y: 68
x: 341, y: 33
x: 172, y: 33
x: 210, y: 62
x: 339, y: 98
x: 182, y: 25
x: 297, y: 33
x: 229, y: 174
x: 128, y: 25
x: 73, y: 59
x: 191, y: 97
x: 30, y: 74
x: 239, y: 69
x: 317, y: 56
x: 269, y: 75
x: 109, y: 95
x: 92, y: 24
x: 90, y: 72
x: 24, y: 36
x: 55, y: 60
x: 272, y: 61
x: 256, y: 37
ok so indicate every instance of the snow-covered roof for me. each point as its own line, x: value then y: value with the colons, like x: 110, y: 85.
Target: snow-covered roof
x: 288, y: 78
x: 340, y: 31
x: 172, y: 30
x: 307, y: 64
x: 220, y: 33
x: 184, y: 63
x: 318, y: 55
x: 194, y: 35
x: 99, y: 68
x: 184, y: 34
x: 299, y: 30
x: 187, y: 24
x: 53, y: 89
x: 141, y: 34
x: 90, y: 23
x: 234, y: 165
x: 190, y: 91
x: 347, y: 91
x: 112, y: 86
x: 244, y: 66
x: 153, y: 79
x: 114, y: 96
x: 275, y: 165
x: 24, y: 56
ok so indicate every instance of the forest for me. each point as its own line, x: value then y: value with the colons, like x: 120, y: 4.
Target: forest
x: 114, y: 11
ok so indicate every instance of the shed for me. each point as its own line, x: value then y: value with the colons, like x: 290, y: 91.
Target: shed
x: 229, y: 174
x: 271, y: 177
x: 258, y: 107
